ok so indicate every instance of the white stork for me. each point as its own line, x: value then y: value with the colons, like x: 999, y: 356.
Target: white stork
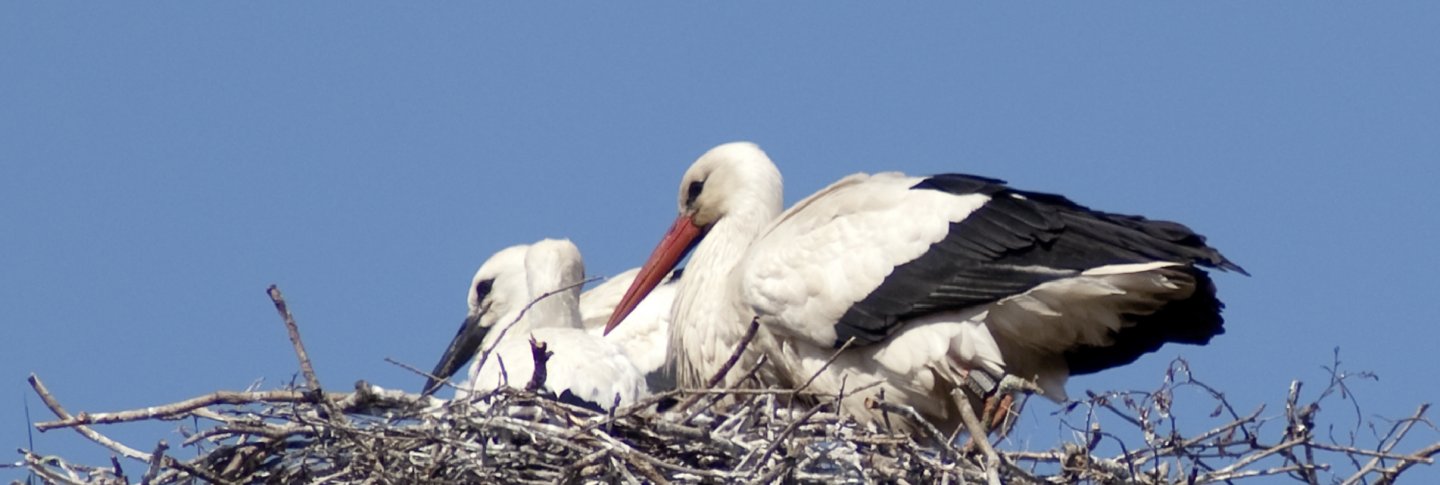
x: 583, y: 365
x: 932, y: 277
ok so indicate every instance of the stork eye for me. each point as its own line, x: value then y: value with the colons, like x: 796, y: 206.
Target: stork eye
x: 482, y: 289
x: 694, y: 191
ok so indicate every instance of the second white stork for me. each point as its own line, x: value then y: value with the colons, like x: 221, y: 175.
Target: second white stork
x: 533, y: 291
x: 928, y: 278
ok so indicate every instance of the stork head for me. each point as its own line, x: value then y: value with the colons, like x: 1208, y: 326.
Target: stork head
x: 729, y: 180
x: 554, y: 267
x: 497, y: 293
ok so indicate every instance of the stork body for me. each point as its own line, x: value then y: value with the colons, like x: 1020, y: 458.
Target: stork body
x: 928, y: 278
x: 534, y: 291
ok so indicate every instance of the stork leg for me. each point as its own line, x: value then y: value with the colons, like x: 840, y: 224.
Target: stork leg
x: 974, y: 399
x: 1000, y: 411
x: 999, y: 406
x: 978, y: 436
x: 989, y: 412
x: 1006, y: 405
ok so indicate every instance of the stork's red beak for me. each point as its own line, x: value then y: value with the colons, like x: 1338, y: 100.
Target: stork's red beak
x: 678, y: 241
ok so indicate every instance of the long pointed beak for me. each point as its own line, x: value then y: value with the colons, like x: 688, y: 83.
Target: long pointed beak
x: 678, y: 241
x: 462, y: 348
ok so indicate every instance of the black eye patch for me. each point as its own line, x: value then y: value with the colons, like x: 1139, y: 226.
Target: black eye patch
x: 482, y: 289
x: 694, y: 191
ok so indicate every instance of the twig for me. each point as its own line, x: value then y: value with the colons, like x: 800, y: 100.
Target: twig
x: 640, y: 461
x: 631, y: 452
x: 197, y: 471
x: 719, y: 376
x: 542, y: 357
x: 438, y: 381
x: 85, y: 431
x: 826, y: 365
x: 1422, y: 455
x: 1404, y: 428
x: 37, y: 466
x: 157, y: 461
x: 177, y: 408
x: 978, y: 435
x: 118, y: 470
x: 1198, y: 439
x: 921, y: 422
x: 726, y: 393
x: 1254, y: 457
x: 724, y: 369
x: 780, y: 439
x: 294, y: 330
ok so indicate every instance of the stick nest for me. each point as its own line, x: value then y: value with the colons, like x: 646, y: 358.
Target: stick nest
x: 301, y: 434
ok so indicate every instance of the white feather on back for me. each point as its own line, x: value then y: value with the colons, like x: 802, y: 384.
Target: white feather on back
x: 598, y: 302
x: 644, y: 334
x: 832, y: 249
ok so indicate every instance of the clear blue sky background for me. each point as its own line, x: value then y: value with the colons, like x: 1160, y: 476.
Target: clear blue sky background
x: 160, y: 165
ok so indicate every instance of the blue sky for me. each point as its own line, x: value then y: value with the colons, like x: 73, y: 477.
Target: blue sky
x: 160, y: 166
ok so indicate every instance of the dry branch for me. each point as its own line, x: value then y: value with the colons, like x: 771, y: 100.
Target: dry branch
x: 306, y: 368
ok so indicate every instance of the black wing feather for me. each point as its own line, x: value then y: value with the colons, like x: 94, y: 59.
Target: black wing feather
x: 1192, y: 321
x: 1014, y: 242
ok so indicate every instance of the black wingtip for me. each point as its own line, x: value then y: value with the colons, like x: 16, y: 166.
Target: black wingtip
x: 1194, y: 320
x: 1229, y: 265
